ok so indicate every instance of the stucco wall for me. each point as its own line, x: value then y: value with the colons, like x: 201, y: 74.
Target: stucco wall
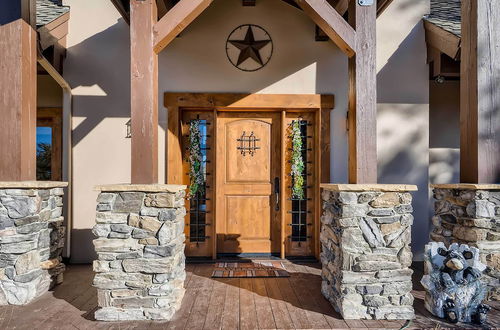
x: 403, y: 106
x: 444, y: 131
x: 49, y: 93
x: 97, y: 67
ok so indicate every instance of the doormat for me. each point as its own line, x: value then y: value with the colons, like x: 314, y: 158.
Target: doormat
x: 249, y: 269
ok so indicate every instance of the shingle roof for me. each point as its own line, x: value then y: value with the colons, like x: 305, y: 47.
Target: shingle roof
x: 446, y: 14
x: 49, y: 10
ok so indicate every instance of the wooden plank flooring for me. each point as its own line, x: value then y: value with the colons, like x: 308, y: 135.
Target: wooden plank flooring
x: 226, y: 303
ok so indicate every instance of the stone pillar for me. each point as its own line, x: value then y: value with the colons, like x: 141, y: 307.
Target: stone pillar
x: 366, y: 255
x: 140, y: 269
x: 470, y: 214
x: 32, y: 235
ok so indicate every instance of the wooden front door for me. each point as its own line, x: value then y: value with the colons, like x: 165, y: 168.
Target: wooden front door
x: 248, y: 160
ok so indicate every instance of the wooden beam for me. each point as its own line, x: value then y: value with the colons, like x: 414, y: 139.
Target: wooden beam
x: 28, y: 12
x: 162, y: 8
x: 330, y: 21
x: 176, y: 20
x: 434, y: 59
x: 249, y: 101
x: 340, y: 6
x: 144, y: 92
x: 124, y: 11
x: 54, y: 32
x: 362, y: 113
x: 441, y: 39
x: 382, y: 6
x: 479, y: 96
x: 17, y: 101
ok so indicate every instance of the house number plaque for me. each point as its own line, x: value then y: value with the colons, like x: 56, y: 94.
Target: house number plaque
x: 365, y: 2
x: 247, y: 144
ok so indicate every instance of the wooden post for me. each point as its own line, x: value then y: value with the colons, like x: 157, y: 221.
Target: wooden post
x: 479, y: 92
x: 17, y: 92
x: 362, y: 113
x: 144, y: 92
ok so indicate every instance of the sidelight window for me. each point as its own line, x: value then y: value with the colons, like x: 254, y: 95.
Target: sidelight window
x: 198, y: 148
x: 299, y: 196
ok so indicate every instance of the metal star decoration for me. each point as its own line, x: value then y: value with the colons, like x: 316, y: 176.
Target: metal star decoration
x: 249, y: 47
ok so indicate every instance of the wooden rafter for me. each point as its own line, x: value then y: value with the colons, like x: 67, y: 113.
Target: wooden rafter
x: 123, y: 9
x: 162, y: 8
x: 332, y: 23
x: 443, y: 40
x: 176, y: 20
x: 382, y: 6
x: 340, y: 6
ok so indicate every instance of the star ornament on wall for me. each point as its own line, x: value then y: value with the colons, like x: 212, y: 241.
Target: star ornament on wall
x: 249, y: 47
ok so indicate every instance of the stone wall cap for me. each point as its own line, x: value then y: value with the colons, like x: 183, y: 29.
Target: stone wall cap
x: 141, y: 187
x: 32, y: 184
x: 368, y: 187
x: 471, y: 186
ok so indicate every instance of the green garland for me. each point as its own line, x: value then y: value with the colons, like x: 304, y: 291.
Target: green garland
x: 297, y: 161
x: 196, y: 175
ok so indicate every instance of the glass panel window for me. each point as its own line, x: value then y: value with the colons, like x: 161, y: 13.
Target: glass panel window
x: 299, y: 205
x: 198, y: 202
x: 44, y: 153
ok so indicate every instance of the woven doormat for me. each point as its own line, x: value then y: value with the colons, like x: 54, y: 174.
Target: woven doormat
x: 249, y: 269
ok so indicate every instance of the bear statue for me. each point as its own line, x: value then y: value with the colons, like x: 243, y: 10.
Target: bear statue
x: 452, y: 283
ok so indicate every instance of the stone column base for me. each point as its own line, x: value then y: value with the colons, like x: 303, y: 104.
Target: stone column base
x: 140, y: 269
x: 32, y: 238
x: 365, y: 237
x: 470, y: 214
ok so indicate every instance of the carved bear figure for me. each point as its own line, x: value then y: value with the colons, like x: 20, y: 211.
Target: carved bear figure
x: 452, y: 282
x: 455, y: 269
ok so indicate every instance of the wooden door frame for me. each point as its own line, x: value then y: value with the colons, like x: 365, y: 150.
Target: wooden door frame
x: 321, y: 104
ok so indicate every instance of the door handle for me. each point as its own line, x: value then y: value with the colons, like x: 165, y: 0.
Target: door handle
x: 277, y: 193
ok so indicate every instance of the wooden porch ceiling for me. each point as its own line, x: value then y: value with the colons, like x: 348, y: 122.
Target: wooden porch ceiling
x: 341, y: 6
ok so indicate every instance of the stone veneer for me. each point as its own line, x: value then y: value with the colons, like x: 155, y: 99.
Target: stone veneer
x: 470, y: 214
x: 365, y: 237
x: 140, y: 269
x: 32, y: 238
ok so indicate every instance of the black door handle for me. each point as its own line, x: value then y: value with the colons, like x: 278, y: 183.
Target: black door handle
x: 277, y: 193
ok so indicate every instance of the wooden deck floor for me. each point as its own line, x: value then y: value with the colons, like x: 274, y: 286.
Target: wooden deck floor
x: 283, y: 303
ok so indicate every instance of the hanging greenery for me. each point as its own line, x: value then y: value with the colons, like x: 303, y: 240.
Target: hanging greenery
x: 297, y: 161
x: 196, y: 175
